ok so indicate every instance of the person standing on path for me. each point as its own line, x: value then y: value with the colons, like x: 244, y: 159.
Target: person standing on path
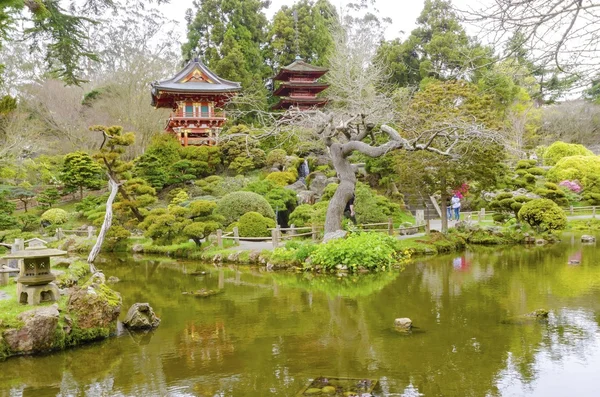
x: 448, y: 208
x: 349, y: 210
x: 455, y: 202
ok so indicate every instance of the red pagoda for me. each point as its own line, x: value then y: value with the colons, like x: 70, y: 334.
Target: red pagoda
x: 299, y: 86
x: 196, y: 95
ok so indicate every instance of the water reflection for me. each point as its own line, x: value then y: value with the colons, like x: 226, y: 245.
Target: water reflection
x: 270, y: 333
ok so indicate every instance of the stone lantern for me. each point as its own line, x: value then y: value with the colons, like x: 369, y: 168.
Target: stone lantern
x: 35, y: 281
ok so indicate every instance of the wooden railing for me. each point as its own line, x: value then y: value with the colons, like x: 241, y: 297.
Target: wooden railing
x: 279, y: 234
x: 198, y: 115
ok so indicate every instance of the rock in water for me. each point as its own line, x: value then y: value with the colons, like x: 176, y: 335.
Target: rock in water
x: 403, y: 323
x: 588, y: 239
x: 141, y: 316
x: 38, y: 333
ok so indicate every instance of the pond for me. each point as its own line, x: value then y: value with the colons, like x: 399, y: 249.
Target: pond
x: 271, y: 334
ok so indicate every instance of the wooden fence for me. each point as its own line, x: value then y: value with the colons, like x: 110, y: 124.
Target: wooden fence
x: 279, y: 234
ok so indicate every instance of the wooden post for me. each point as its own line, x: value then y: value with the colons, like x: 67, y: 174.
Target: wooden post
x: 292, y: 230
x: 427, y: 226
x: 275, y: 237
x: 419, y: 217
x: 185, y: 139
x: 220, y: 238
x: 314, y: 232
x: 594, y: 212
x: 90, y: 231
x: 236, y: 235
x: 571, y: 210
x: 390, y: 226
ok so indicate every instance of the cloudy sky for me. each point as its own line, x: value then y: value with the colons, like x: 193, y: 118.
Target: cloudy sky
x: 403, y: 12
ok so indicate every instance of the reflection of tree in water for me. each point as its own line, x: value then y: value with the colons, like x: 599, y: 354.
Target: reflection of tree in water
x: 209, y: 343
x: 274, y: 331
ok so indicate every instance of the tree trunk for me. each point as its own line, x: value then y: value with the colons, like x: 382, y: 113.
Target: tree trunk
x: 114, y: 188
x: 80, y: 192
x: 344, y: 192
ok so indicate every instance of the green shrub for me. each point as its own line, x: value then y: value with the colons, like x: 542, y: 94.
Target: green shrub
x: 536, y: 171
x: 552, y: 192
x: 282, y: 178
x: 302, y: 215
x: 233, y: 205
x: 543, y: 215
x: 253, y: 224
x: 582, y: 168
x: 525, y: 164
x: 294, y: 253
x: 55, y: 216
x: 374, y: 251
x: 559, y: 150
x: 276, y: 156
x: 116, y: 239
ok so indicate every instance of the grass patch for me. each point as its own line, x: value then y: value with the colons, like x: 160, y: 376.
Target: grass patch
x: 584, y: 224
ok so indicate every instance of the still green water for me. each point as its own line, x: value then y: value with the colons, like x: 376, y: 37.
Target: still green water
x: 269, y: 334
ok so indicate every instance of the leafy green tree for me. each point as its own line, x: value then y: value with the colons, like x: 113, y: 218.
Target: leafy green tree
x: 437, y: 48
x: 64, y: 31
x: 505, y: 204
x: 7, y: 221
x: 229, y: 36
x: 23, y: 194
x: 309, y: 38
x: 48, y: 197
x: 81, y: 171
x: 204, y: 221
x: 150, y: 168
x: 140, y: 196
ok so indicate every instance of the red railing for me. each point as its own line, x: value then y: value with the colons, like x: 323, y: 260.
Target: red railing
x: 198, y: 115
x: 302, y: 80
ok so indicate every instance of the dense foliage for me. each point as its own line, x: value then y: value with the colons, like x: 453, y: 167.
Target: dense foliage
x: 543, y: 215
x: 372, y: 251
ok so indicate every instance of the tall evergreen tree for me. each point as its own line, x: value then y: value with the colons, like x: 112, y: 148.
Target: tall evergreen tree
x: 228, y: 35
x: 438, y: 48
x: 309, y: 37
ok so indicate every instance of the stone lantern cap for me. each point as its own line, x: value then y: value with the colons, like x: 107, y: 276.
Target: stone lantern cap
x: 35, y: 252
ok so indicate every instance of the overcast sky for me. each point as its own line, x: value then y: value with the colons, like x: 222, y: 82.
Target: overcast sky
x: 403, y: 12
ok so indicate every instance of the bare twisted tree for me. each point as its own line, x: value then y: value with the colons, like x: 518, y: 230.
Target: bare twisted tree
x: 563, y: 33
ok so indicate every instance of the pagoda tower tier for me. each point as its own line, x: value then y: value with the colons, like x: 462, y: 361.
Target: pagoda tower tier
x: 299, y: 86
x: 196, y: 96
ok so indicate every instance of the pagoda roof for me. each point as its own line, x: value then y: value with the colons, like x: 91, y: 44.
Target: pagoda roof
x: 194, y: 78
x: 299, y: 67
x: 299, y: 101
x: 285, y: 87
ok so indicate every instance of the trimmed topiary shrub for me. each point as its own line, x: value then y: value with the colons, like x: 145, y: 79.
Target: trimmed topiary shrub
x: 552, y: 192
x: 581, y: 168
x: 253, y: 224
x: 543, y: 215
x: 282, y: 178
x: 55, y: 216
x: 233, y: 205
x: 559, y: 150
